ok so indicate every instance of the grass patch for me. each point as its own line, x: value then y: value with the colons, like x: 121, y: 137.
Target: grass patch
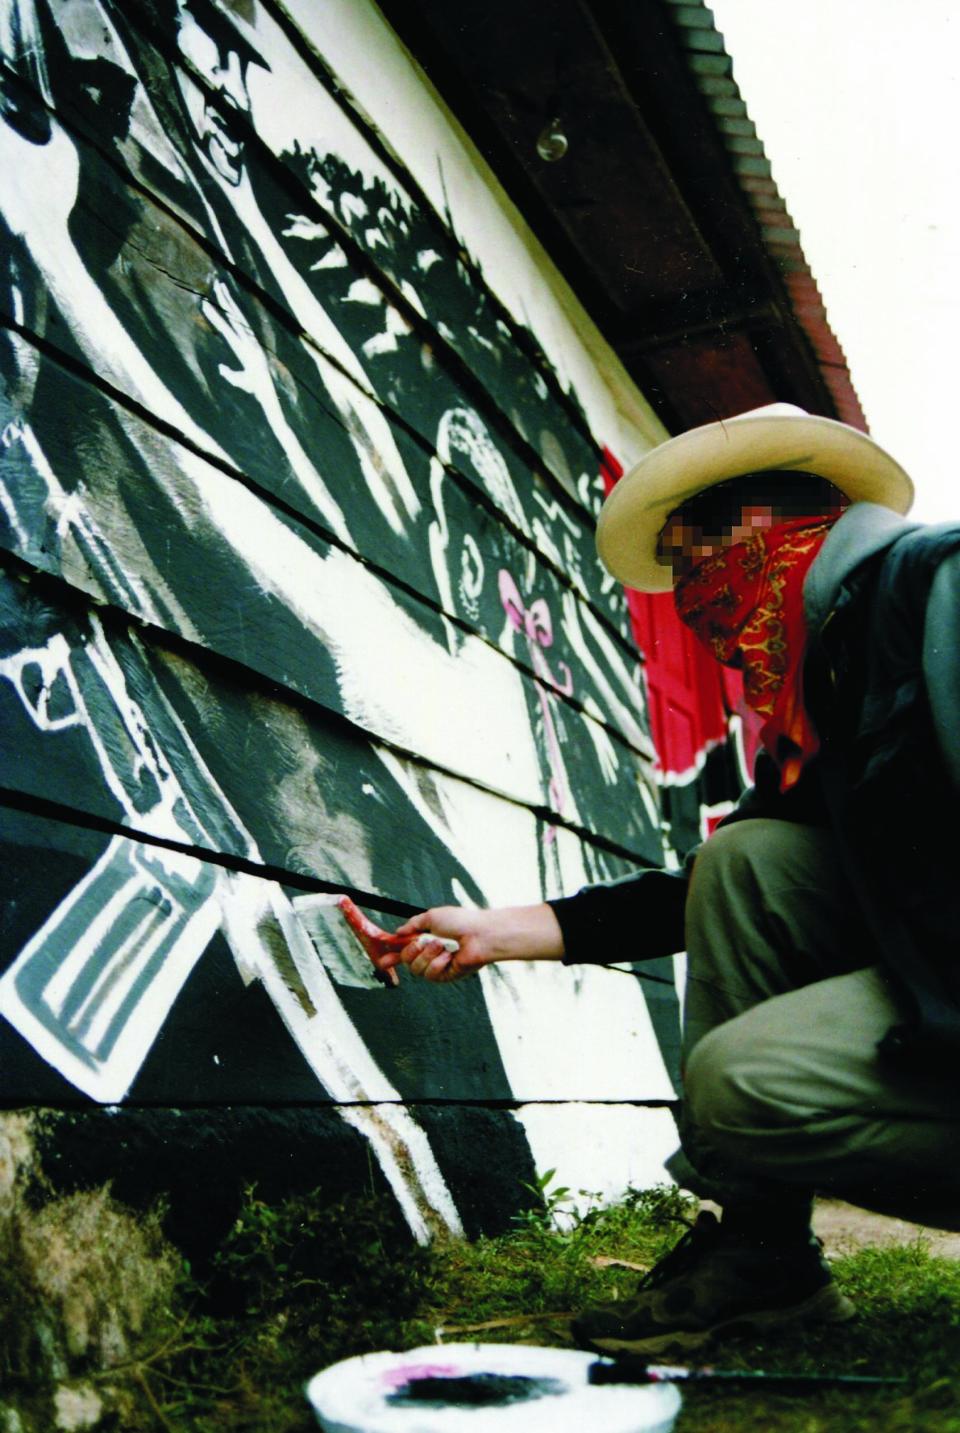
x: 908, y: 1326
x: 303, y: 1284
x: 298, y: 1286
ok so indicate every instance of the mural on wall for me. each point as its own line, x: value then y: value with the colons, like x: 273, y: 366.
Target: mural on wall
x: 315, y: 521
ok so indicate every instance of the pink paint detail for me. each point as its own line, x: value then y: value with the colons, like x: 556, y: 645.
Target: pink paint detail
x: 511, y: 599
x: 400, y: 1377
x: 537, y: 622
x: 536, y: 625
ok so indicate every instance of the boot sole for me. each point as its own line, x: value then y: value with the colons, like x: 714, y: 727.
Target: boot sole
x: 826, y: 1306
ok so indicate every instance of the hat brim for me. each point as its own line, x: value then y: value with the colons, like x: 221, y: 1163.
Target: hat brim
x: 637, y: 508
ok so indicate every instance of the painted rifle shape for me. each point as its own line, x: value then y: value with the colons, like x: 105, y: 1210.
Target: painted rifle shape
x: 95, y: 984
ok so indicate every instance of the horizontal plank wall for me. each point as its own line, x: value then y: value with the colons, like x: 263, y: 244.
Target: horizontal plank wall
x: 298, y: 595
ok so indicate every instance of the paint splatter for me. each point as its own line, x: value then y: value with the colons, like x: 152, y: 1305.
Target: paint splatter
x: 475, y: 1390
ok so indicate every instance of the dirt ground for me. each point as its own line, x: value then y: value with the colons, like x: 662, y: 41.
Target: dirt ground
x: 844, y: 1229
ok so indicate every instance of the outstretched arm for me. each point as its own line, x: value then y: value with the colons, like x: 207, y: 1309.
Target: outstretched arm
x: 638, y: 917
x: 484, y: 936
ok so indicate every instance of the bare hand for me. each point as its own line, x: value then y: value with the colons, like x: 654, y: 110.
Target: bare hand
x: 484, y: 936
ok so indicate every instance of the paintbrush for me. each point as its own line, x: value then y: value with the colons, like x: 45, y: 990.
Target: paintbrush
x: 631, y: 1368
x: 348, y: 942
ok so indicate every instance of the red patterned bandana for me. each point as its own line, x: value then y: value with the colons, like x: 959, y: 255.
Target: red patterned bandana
x: 746, y: 605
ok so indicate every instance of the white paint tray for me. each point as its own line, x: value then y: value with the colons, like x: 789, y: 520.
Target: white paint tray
x: 547, y: 1393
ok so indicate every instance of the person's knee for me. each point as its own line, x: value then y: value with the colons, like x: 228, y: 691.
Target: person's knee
x: 719, y: 849
x: 709, y: 1083
x: 738, y: 855
x: 727, y: 1097
x: 724, y: 892
x: 757, y: 876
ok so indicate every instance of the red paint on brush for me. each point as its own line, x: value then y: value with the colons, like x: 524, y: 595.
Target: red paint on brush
x: 370, y: 934
x: 363, y: 925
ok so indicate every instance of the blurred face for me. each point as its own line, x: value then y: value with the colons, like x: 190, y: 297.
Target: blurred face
x: 682, y: 544
x: 225, y: 72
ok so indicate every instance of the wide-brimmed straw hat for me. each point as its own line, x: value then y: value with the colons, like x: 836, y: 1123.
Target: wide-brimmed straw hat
x: 779, y: 436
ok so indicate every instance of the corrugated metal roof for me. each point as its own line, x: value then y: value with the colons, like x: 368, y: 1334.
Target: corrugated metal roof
x: 712, y: 69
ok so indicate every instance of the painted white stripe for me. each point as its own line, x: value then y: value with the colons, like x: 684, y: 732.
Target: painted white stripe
x: 337, y: 1054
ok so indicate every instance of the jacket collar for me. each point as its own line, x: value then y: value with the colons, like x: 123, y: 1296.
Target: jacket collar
x: 864, y: 529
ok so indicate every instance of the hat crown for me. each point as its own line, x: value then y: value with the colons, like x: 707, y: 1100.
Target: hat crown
x: 769, y: 410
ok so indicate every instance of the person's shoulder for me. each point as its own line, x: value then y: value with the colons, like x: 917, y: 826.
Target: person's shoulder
x: 918, y: 549
x: 868, y: 527
x: 927, y: 535
x: 862, y: 532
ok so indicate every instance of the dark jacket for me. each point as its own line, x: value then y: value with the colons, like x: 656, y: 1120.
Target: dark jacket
x: 882, y: 682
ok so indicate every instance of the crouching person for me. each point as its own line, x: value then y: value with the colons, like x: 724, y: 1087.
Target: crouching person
x: 822, y: 1016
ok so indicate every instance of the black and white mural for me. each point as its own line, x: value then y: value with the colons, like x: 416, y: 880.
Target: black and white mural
x: 298, y: 593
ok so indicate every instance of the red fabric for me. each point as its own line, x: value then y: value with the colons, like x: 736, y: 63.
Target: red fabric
x: 745, y: 604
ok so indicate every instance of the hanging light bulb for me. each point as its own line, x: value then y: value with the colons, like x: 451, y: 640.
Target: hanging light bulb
x: 552, y: 143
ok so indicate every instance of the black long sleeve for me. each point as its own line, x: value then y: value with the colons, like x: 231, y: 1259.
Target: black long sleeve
x: 638, y: 917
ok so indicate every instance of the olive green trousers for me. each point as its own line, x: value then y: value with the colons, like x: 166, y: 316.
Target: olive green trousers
x: 784, y: 1092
